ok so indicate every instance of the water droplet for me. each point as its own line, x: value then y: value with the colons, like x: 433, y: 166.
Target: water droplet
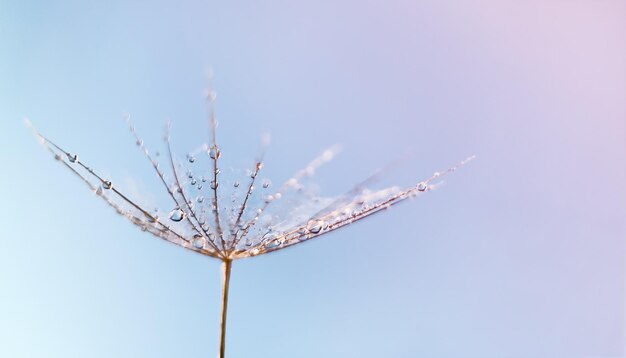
x: 177, y: 215
x: 107, y: 184
x: 203, y: 179
x: 200, y: 199
x: 213, y: 184
x: 266, y: 184
x: 422, y: 186
x: 191, y: 158
x: 193, y: 181
x: 200, y: 186
x: 58, y: 157
x: 72, y: 158
x: 139, y: 142
x: 189, y: 174
x: 214, y: 152
x: 236, y: 184
x: 314, y: 227
x: 436, y: 174
x: 198, y: 241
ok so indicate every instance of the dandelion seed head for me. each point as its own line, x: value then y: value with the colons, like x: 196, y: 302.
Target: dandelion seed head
x: 235, y: 220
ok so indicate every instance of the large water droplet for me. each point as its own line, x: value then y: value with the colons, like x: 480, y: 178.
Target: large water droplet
x: 177, y: 215
x: 213, y: 184
x: 107, y: 184
x: 214, y: 152
x: 198, y: 241
x: 422, y: 186
x: 314, y: 227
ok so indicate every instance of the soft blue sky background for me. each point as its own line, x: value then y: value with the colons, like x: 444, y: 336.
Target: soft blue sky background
x: 521, y: 254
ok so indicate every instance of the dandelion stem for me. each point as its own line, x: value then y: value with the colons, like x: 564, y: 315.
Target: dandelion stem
x: 226, y: 266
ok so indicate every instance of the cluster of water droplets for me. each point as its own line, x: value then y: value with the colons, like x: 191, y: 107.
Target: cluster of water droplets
x: 242, y: 213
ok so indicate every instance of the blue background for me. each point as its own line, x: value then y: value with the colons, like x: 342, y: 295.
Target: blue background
x: 520, y: 254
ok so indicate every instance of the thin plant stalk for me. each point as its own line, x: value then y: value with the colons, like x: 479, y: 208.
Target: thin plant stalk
x: 226, y: 267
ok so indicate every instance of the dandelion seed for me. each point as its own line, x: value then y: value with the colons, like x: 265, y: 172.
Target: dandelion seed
x: 253, y: 223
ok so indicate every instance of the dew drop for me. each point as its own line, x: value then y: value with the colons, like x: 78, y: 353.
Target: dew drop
x: 213, y: 184
x: 193, y: 181
x: 314, y: 227
x: 139, y: 142
x: 266, y: 184
x: 177, y: 215
x: 214, y: 152
x: 107, y: 184
x: 203, y: 179
x: 200, y: 199
x: 200, y: 186
x: 189, y: 174
x: 191, y: 158
x: 422, y: 186
x: 236, y: 184
x: 198, y: 241
x: 72, y: 158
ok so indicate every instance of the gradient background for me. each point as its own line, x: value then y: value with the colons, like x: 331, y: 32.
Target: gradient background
x: 521, y: 254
